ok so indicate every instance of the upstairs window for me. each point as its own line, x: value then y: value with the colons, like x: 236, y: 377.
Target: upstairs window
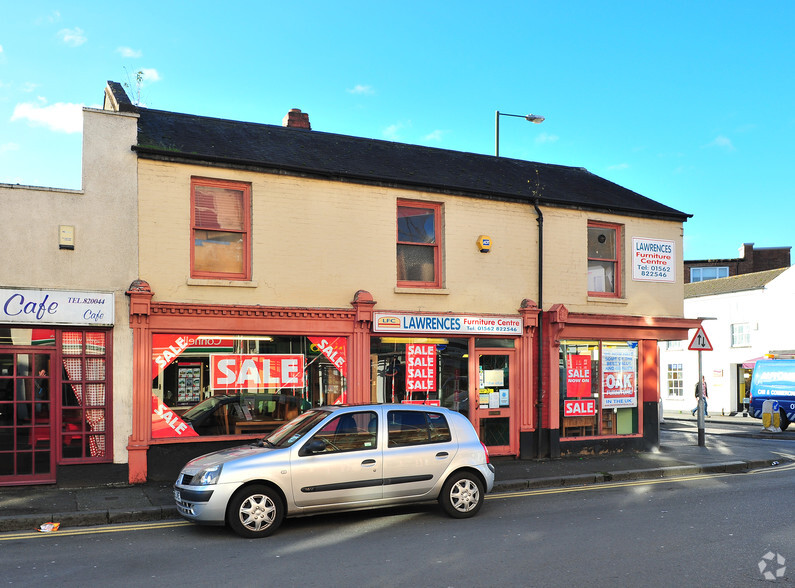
x: 701, y: 274
x: 604, y: 259
x: 419, y: 244
x: 220, y: 229
x: 741, y: 335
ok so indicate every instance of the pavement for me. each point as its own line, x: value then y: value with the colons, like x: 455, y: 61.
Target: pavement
x: 725, y: 450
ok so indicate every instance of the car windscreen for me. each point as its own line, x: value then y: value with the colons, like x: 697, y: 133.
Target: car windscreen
x: 202, y: 408
x: 291, y: 432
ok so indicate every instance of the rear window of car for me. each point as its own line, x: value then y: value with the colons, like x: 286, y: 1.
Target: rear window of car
x: 412, y: 427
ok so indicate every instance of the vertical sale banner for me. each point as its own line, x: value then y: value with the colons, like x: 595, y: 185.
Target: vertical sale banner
x: 618, y: 378
x: 578, y: 376
x: 420, y: 367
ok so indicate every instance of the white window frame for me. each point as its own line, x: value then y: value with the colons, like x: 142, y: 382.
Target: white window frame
x: 676, y: 385
x: 697, y: 273
x: 741, y: 335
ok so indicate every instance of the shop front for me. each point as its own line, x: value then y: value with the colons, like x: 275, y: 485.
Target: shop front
x: 55, y: 382
x: 207, y: 376
x: 604, y: 395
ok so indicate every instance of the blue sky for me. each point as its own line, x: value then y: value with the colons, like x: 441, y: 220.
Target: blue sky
x: 687, y: 102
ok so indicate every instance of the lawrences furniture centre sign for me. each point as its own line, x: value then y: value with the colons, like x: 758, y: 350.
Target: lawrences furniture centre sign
x: 384, y: 322
x: 653, y: 260
x: 56, y: 307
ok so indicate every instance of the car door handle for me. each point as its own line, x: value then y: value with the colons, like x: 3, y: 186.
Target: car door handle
x: 368, y: 462
x: 442, y: 454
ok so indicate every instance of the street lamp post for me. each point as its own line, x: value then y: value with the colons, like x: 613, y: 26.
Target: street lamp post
x: 533, y: 118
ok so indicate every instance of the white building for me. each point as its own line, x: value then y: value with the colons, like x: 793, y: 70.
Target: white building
x: 752, y: 317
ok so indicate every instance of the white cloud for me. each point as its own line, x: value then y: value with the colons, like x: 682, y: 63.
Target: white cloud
x: 361, y: 89
x: 60, y: 117
x: 129, y: 52
x: 546, y: 138
x: 721, y: 142
x: 73, y: 37
x: 1, y: 48
x: 618, y: 167
x: 29, y: 86
x: 8, y: 147
x: 435, y: 135
x: 150, y: 75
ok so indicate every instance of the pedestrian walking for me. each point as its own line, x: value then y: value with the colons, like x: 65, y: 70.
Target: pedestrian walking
x: 702, y: 386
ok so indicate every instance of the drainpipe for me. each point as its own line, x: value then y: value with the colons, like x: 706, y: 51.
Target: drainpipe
x: 540, y: 356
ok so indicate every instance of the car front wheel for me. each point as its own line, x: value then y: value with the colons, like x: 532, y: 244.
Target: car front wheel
x: 255, y: 511
x: 462, y: 495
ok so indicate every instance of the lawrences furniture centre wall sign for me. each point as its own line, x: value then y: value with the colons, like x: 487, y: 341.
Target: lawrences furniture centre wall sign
x: 387, y: 322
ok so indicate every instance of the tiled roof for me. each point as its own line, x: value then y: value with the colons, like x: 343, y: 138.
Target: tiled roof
x: 185, y: 137
x: 741, y: 283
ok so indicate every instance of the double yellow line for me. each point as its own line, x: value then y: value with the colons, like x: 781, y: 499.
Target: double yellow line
x: 120, y: 528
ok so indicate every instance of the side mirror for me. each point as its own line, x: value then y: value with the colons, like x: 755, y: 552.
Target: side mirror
x: 313, y: 447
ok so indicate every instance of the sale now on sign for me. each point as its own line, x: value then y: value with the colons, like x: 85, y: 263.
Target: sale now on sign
x: 236, y: 372
x: 578, y: 376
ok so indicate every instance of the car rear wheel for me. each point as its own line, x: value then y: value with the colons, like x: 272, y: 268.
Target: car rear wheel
x: 462, y: 495
x: 255, y: 511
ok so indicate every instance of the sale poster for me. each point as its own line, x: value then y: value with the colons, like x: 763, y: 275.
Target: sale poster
x: 619, y: 378
x: 420, y: 367
x: 578, y: 376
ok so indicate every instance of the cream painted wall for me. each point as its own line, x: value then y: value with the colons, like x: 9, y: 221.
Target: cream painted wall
x: 104, y: 215
x: 316, y: 242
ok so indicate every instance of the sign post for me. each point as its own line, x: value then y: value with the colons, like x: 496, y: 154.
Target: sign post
x: 700, y: 342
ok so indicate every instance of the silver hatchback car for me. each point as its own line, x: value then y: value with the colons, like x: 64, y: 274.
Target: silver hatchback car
x: 340, y: 458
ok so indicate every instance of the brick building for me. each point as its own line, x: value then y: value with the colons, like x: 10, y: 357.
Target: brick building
x: 751, y: 260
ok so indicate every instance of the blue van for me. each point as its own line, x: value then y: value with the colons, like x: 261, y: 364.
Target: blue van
x: 774, y: 379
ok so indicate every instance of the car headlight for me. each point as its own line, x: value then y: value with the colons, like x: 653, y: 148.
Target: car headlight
x: 207, y: 477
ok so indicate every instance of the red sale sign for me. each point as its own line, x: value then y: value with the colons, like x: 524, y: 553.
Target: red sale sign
x: 166, y: 423
x: 578, y: 376
x: 237, y: 372
x: 334, y: 350
x: 582, y: 407
x: 420, y: 367
x: 167, y: 347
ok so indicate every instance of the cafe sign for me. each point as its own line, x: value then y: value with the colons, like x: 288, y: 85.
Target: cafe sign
x: 56, y: 307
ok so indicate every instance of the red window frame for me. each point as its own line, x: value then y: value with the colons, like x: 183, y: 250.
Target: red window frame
x: 245, y: 188
x: 436, y: 209
x: 92, y: 431
x: 615, y: 260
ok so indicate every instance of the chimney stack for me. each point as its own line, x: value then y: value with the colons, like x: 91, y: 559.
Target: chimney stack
x: 297, y: 119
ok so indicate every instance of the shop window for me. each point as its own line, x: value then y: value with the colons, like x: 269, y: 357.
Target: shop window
x: 420, y: 370
x: 85, y: 396
x: 207, y: 385
x: 220, y: 229
x: 675, y: 380
x: 604, y: 259
x: 741, y: 335
x: 419, y: 244
x: 598, y: 388
x: 406, y: 427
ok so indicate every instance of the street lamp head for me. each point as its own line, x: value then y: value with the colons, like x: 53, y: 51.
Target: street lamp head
x: 534, y: 118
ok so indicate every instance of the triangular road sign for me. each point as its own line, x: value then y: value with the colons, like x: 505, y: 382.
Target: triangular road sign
x: 700, y: 341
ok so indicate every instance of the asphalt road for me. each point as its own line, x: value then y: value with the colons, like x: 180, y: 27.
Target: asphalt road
x: 706, y: 530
